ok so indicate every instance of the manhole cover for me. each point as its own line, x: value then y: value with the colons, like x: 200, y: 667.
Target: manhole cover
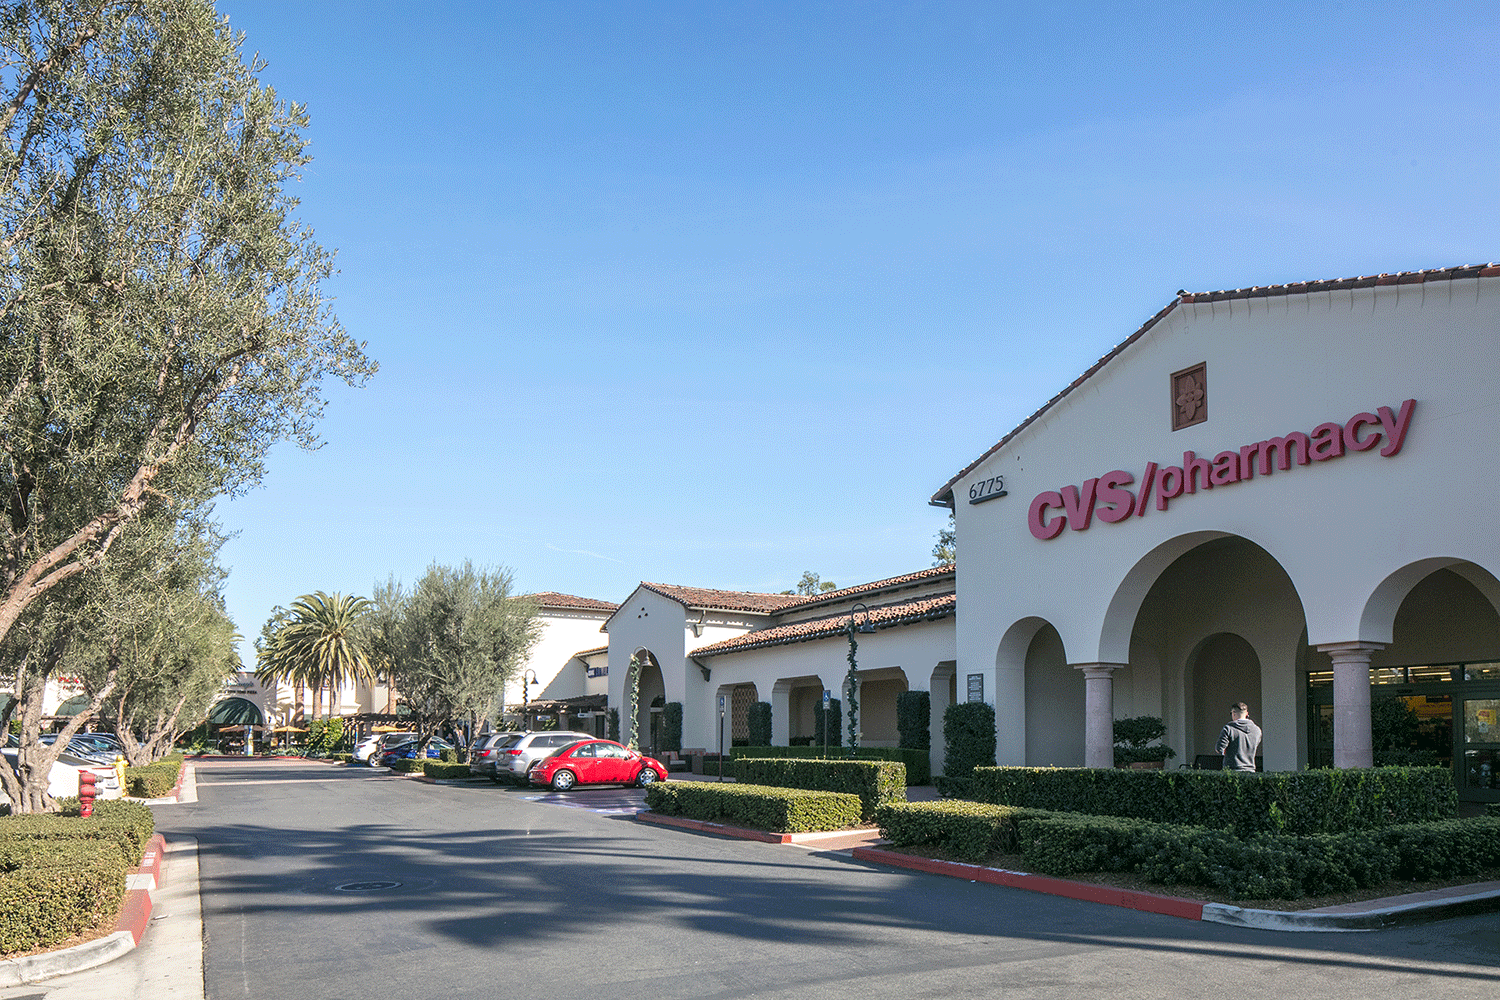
x: 366, y: 886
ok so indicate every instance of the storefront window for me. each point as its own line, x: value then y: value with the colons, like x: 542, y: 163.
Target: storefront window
x: 1388, y: 675
x: 1320, y: 678
x: 1430, y: 675
x: 1482, y: 672
x: 1481, y: 716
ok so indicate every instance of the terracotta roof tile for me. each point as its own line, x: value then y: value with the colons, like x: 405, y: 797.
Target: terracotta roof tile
x: 590, y: 652
x: 944, y: 496
x: 550, y: 599
x: 723, y: 600
x: 911, y: 612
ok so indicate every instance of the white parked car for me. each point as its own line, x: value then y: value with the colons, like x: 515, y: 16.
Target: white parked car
x: 62, y: 781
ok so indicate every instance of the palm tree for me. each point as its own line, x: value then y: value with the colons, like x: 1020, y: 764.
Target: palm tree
x: 319, y: 642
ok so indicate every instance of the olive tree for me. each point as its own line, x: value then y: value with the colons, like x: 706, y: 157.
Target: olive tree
x: 452, y: 641
x: 162, y: 315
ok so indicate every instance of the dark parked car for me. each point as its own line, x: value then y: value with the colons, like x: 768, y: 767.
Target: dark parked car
x: 487, y: 753
x: 596, y: 762
x: 409, y: 751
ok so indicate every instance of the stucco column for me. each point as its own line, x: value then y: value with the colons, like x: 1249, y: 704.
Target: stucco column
x: 1098, y: 713
x: 1352, y: 745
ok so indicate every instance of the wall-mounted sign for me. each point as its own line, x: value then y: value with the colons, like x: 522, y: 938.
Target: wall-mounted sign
x: 976, y: 687
x: 987, y: 489
x: 1075, y: 506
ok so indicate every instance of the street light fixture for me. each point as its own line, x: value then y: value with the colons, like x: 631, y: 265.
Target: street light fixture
x: 852, y: 679
x: 528, y: 678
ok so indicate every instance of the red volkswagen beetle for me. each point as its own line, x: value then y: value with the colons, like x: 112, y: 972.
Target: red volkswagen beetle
x: 595, y: 762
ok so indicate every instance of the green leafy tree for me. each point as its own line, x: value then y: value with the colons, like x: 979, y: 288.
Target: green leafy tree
x: 452, y: 641
x: 320, y: 643
x: 162, y: 318
x: 111, y: 627
x: 811, y: 585
x: 946, y: 550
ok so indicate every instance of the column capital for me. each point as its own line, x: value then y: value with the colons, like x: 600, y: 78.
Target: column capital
x: 1098, y: 671
x: 1347, y: 650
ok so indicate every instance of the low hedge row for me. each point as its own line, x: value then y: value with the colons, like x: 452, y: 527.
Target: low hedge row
x: 55, y: 889
x: 969, y: 831
x: 444, y: 769
x: 876, y: 782
x: 918, y: 762
x: 126, y: 825
x: 1283, y: 802
x: 1261, y: 866
x: 780, y: 810
x: 152, y: 781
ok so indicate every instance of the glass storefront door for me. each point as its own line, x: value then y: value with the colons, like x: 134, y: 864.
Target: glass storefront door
x: 1445, y: 714
x: 1479, y: 774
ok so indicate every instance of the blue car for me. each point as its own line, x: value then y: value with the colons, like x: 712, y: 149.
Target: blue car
x: 408, y: 751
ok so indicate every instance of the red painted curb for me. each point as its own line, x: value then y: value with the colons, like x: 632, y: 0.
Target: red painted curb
x: 156, y: 849
x: 1146, y: 902
x: 135, y: 914
x: 718, y: 828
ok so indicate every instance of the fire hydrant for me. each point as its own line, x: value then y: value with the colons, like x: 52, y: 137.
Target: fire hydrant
x: 86, y: 780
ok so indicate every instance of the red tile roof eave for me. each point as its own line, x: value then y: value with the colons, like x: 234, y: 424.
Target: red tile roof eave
x: 944, y: 496
x: 946, y: 607
x: 764, y: 604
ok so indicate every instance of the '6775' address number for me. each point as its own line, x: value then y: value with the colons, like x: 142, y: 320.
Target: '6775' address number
x: 987, y: 489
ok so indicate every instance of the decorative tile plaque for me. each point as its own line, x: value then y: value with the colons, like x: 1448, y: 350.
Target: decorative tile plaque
x: 1190, y: 396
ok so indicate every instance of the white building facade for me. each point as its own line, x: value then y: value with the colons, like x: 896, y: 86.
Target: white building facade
x: 1275, y: 495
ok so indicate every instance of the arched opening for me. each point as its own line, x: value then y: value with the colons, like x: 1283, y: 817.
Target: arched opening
x: 1221, y: 623
x: 1435, y: 688
x: 877, y: 706
x: 1054, y: 703
x: 649, y: 686
x: 1223, y: 670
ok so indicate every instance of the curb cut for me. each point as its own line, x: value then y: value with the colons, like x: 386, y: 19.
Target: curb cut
x: 130, y: 927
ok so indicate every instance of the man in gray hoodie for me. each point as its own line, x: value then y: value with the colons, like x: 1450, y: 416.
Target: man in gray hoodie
x: 1239, y: 741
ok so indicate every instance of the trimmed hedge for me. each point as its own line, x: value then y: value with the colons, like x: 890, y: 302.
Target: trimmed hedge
x: 758, y: 721
x: 834, y: 723
x: 152, y: 781
x: 970, y: 831
x: 968, y: 738
x: 444, y: 769
x: 1262, y: 866
x: 671, y: 727
x: 780, y: 810
x: 876, y: 782
x: 409, y: 765
x: 918, y: 763
x: 55, y: 889
x: 1282, y: 802
x: 126, y: 825
x: 914, y: 720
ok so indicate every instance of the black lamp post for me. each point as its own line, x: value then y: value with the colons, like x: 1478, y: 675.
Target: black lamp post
x: 528, y: 678
x: 852, y: 679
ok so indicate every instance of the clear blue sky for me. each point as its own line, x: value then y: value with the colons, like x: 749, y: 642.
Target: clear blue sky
x: 714, y: 293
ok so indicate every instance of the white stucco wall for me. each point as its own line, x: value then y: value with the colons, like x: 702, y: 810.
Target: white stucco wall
x: 564, y: 632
